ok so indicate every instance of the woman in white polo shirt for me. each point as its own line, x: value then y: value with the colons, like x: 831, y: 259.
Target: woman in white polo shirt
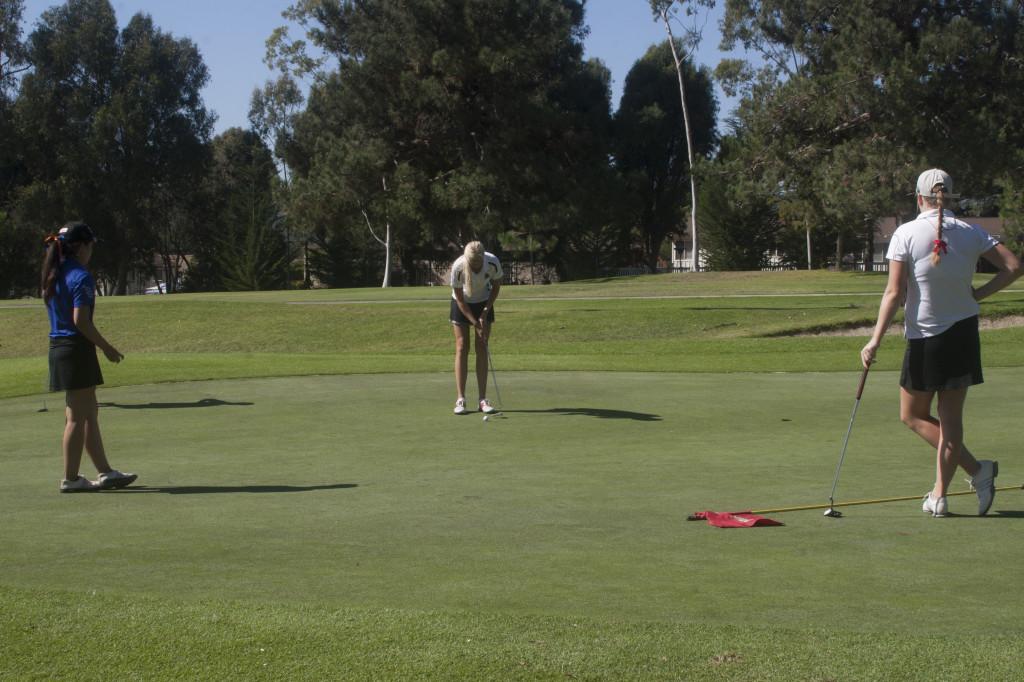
x: 476, y: 281
x: 932, y: 261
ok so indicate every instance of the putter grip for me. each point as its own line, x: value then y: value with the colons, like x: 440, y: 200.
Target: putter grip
x: 863, y: 378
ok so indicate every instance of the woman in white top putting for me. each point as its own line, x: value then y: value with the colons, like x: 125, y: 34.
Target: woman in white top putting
x: 932, y: 261
x: 476, y: 281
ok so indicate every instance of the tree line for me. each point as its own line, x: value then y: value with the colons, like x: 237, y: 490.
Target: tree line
x: 849, y: 103
x: 434, y: 122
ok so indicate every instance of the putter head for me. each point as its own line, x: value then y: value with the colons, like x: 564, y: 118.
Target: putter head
x: 833, y: 513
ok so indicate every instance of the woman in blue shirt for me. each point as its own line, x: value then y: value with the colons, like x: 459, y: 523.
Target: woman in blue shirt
x: 70, y: 295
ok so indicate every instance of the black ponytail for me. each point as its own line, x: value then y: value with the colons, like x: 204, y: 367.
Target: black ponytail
x: 51, y: 264
x: 58, y: 247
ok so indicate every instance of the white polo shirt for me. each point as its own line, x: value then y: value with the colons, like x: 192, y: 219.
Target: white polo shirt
x: 938, y: 296
x: 482, y: 281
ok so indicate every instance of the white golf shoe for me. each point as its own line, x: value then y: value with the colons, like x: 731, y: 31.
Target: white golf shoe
x: 934, y: 506
x: 78, y: 485
x: 486, y: 407
x: 460, y: 406
x: 984, y: 484
x: 115, y: 479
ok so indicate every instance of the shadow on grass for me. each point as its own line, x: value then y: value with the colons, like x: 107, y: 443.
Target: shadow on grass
x: 205, y: 402
x: 593, y: 412
x: 201, y: 489
x: 1004, y: 514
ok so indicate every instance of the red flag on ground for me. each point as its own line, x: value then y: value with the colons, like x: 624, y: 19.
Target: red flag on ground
x: 733, y: 519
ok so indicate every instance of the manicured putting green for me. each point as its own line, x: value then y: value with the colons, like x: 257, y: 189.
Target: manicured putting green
x: 365, y: 491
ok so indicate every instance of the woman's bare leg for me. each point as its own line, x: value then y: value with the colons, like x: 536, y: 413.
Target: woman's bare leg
x: 951, y: 437
x: 461, y: 357
x: 81, y: 429
x: 915, y: 412
x: 94, y: 441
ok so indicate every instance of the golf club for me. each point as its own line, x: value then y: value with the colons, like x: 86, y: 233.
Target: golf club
x: 831, y: 512
x: 494, y: 376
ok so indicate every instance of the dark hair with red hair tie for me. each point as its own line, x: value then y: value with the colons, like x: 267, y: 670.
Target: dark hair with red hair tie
x: 58, y: 247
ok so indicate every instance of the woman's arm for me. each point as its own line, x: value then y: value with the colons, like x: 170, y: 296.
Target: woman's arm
x: 83, y: 322
x: 460, y: 300
x: 895, y: 293
x: 1008, y: 267
x: 495, y: 288
x: 484, y: 329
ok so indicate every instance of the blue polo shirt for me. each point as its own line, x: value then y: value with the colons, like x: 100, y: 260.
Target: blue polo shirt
x: 75, y: 289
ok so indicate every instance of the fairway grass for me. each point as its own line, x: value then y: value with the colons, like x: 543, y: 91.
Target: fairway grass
x: 350, y: 526
x: 309, y: 508
x: 216, y: 639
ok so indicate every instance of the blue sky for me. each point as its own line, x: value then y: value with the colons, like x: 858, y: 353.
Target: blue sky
x: 231, y: 35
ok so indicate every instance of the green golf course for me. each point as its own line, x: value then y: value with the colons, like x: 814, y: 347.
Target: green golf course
x: 308, y: 507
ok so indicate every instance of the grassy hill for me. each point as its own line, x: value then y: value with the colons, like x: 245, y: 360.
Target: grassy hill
x: 710, y: 322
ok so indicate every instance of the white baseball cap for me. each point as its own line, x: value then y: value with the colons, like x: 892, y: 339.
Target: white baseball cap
x: 926, y: 182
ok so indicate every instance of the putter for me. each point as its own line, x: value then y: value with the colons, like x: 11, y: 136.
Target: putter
x: 494, y: 377
x: 832, y: 512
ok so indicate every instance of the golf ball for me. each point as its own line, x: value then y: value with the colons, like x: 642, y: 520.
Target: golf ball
x: 486, y: 417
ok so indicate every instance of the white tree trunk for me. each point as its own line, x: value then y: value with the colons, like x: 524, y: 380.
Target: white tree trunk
x: 809, y: 266
x: 689, y: 142
x: 387, y: 256
x: 386, y: 243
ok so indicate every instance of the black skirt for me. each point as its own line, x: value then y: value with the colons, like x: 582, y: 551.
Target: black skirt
x: 73, y: 364
x: 949, y: 360
x: 456, y: 317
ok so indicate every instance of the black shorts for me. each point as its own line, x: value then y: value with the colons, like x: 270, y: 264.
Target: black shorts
x: 456, y: 316
x: 73, y: 364
x: 949, y: 360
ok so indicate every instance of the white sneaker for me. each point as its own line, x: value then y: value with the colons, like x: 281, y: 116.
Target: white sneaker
x: 984, y: 484
x: 460, y: 406
x: 935, y: 507
x: 78, y: 485
x: 485, y: 406
x: 115, y: 479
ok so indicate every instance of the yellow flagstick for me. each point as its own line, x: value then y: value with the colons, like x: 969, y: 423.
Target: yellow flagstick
x: 877, y: 501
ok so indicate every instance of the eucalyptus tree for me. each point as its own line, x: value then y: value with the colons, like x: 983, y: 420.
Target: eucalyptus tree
x: 434, y: 122
x: 13, y: 59
x: 651, y: 147
x: 111, y: 119
x: 667, y: 11
x: 853, y: 99
x: 273, y: 110
x: 17, y: 258
x: 238, y: 244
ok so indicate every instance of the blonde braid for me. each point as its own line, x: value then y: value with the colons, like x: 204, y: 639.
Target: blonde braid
x: 939, y: 244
